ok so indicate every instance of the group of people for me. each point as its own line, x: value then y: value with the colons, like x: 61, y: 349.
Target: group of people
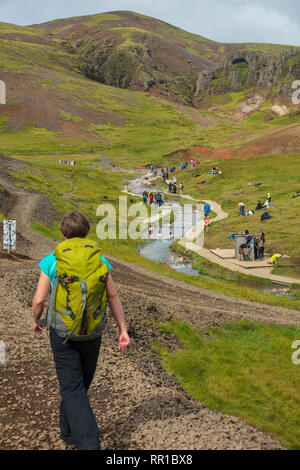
x: 185, y: 164
x: 258, y: 246
x: 259, y: 206
x: 153, y: 198
x: 173, y: 186
x: 159, y: 234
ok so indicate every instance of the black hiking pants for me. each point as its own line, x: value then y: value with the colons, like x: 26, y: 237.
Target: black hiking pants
x: 75, y: 364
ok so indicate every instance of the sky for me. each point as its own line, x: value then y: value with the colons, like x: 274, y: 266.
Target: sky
x: 267, y: 21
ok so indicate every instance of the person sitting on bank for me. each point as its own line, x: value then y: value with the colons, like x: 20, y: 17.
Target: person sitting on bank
x: 259, y: 206
x: 265, y: 216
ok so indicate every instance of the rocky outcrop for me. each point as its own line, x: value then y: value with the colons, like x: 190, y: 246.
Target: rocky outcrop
x: 248, y: 69
x: 136, y: 66
x: 123, y: 67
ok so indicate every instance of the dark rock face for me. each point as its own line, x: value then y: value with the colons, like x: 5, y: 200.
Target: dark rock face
x: 142, y: 64
x: 247, y: 69
x: 129, y: 67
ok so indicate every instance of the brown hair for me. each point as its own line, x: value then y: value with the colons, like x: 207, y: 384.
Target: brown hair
x: 75, y: 224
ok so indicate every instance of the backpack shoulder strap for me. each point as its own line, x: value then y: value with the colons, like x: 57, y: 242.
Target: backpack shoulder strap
x: 51, y: 302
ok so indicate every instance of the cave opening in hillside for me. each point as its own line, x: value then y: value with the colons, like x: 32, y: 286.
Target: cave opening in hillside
x: 240, y: 60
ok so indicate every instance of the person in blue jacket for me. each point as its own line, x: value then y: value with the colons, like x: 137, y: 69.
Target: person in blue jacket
x: 206, y: 209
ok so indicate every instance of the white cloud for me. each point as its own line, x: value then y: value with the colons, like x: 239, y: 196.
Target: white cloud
x: 258, y: 23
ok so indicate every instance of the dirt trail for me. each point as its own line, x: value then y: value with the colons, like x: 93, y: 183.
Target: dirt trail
x: 25, y: 207
x: 137, y: 404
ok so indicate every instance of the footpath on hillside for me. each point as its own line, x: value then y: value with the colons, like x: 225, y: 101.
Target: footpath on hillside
x: 227, y: 260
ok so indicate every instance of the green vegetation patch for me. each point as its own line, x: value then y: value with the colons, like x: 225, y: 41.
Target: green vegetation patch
x: 237, y: 184
x: 243, y: 369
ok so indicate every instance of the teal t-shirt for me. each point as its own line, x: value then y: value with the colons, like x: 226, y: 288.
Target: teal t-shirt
x: 48, y: 266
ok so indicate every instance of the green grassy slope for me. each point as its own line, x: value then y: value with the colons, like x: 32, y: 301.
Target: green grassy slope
x: 279, y: 175
x: 127, y: 23
x: 243, y: 369
x: 51, y: 107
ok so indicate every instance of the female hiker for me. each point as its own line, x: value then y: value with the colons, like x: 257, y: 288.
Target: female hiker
x: 80, y: 282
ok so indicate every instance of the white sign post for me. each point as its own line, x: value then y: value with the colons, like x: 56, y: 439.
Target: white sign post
x: 9, y: 235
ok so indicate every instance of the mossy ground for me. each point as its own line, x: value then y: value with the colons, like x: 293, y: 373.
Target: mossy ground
x: 243, y: 369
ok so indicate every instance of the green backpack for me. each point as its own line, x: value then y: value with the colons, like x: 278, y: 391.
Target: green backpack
x: 77, y: 306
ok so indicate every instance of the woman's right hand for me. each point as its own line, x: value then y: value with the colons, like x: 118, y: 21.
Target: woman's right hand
x: 36, y: 328
x: 123, y: 341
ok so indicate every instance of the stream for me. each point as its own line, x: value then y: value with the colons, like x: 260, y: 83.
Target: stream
x: 159, y: 250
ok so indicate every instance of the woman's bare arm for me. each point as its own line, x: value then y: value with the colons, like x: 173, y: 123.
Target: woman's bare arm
x: 39, y: 301
x: 118, y: 313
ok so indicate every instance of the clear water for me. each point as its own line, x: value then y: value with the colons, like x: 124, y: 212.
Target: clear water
x: 159, y: 250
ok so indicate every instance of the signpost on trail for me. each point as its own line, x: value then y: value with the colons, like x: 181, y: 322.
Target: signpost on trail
x: 9, y: 235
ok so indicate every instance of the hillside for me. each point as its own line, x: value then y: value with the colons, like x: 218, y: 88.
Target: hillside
x: 52, y: 107
x: 129, y: 50
x: 123, y: 90
x: 273, y: 71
